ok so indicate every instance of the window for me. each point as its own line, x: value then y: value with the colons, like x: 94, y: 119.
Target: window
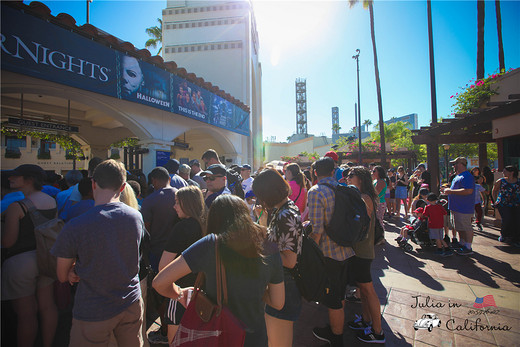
x: 225, y: 22
x: 13, y: 143
x: 185, y: 49
x: 45, y: 146
x: 205, y: 24
x: 232, y: 45
x: 192, y: 48
x: 170, y: 12
x: 219, y: 46
x: 176, y: 11
x: 195, y: 10
x: 199, y: 48
x: 219, y: 22
x: 200, y: 24
x: 205, y: 48
x: 226, y: 46
x: 189, y: 10
x: 212, y: 47
x: 180, y: 26
x: 193, y: 25
x: 183, y: 11
x: 167, y: 26
x: 174, y: 26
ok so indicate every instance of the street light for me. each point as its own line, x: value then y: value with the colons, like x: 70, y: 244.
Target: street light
x: 446, y: 149
x: 356, y: 56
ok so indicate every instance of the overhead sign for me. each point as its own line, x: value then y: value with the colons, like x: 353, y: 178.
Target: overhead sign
x: 42, y: 125
x: 34, y: 47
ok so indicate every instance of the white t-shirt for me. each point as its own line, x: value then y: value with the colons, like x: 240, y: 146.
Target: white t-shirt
x: 247, y: 184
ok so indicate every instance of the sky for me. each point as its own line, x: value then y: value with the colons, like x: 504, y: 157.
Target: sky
x: 316, y: 40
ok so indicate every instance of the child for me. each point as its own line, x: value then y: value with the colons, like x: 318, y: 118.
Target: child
x: 478, y: 202
x: 435, y: 214
x: 414, y: 226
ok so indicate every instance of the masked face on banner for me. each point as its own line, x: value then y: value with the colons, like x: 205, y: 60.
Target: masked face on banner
x: 132, y: 76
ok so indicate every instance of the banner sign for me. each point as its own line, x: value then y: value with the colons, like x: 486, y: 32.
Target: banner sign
x: 34, y: 47
x: 42, y: 125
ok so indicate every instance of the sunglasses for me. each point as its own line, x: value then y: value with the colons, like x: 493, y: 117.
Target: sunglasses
x: 211, y: 178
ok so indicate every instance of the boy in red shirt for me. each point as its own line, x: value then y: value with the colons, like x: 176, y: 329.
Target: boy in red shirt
x: 435, y: 214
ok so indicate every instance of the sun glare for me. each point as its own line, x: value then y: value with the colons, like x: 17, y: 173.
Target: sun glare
x: 284, y: 25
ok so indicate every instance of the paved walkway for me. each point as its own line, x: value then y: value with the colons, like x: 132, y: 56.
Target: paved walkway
x: 454, y: 281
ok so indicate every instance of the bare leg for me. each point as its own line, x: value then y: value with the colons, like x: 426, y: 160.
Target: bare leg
x: 279, y: 331
x: 398, y: 207
x: 337, y: 320
x: 26, y: 310
x: 48, y: 313
x: 373, y: 305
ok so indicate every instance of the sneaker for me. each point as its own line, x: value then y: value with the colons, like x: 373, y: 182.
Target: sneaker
x: 369, y: 336
x: 398, y: 238
x: 438, y: 252
x: 479, y: 226
x: 455, y: 245
x: 358, y: 324
x: 326, y: 334
x: 156, y: 338
x: 447, y: 252
x: 464, y: 251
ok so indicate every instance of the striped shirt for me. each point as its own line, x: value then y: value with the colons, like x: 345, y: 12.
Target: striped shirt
x: 320, y: 200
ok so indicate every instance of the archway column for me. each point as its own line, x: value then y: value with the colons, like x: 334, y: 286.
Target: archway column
x: 150, y: 158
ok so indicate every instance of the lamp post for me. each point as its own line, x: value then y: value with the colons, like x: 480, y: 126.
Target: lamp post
x: 88, y: 11
x: 446, y: 149
x: 356, y: 56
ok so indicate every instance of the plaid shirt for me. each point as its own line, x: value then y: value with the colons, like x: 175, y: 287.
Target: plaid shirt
x: 321, y: 205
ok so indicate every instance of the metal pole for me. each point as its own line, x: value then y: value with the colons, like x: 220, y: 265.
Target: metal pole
x: 358, y: 106
x: 88, y: 11
x: 432, y: 64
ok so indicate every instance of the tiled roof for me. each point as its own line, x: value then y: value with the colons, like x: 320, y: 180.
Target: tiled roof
x: 40, y: 10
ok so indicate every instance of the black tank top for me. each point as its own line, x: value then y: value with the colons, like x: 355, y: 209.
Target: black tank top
x: 26, y: 241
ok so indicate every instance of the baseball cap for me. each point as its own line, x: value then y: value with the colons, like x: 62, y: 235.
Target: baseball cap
x: 421, y: 165
x: 246, y: 167
x: 215, y: 169
x: 462, y: 160
x: 331, y: 154
x: 29, y: 170
x: 419, y: 210
x: 194, y: 162
x: 250, y: 194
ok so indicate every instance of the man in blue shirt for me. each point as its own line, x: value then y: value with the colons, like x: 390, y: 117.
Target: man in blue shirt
x: 100, y: 250
x: 461, y: 202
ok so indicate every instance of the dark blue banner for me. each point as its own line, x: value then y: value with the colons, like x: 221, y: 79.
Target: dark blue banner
x: 34, y: 47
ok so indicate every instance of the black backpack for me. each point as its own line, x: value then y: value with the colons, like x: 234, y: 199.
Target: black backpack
x: 350, y: 221
x: 309, y: 272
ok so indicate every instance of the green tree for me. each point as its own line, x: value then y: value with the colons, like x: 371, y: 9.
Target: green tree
x: 156, y: 34
x: 480, y: 38
x: 367, y: 123
x: 369, y: 4
x: 501, y: 62
x: 335, y: 128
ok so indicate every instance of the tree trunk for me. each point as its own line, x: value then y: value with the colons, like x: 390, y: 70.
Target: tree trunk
x: 501, y: 62
x: 481, y: 6
x: 378, y: 86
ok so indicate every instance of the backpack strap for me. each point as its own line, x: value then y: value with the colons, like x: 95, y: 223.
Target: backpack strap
x: 36, y: 217
x: 328, y: 185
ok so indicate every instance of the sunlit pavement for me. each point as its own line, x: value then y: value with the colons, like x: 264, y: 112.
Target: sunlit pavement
x: 404, y: 279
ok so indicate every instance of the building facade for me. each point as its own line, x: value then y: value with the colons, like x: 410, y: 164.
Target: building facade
x: 219, y: 40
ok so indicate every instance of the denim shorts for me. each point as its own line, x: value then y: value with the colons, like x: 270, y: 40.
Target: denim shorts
x: 293, y: 300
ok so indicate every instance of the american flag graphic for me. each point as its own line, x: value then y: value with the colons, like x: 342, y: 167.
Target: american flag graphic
x: 486, y: 301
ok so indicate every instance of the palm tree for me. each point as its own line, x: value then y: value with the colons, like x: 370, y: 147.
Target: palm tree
x: 501, y: 62
x: 367, y: 123
x: 481, y: 7
x: 335, y: 128
x: 369, y: 4
x: 156, y: 34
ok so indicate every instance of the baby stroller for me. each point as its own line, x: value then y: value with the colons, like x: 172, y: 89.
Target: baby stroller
x: 420, y: 235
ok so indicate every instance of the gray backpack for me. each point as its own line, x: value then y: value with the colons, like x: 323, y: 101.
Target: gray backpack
x: 45, y: 232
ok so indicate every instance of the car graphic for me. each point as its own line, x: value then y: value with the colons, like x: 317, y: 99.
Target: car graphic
x: 427, y: 321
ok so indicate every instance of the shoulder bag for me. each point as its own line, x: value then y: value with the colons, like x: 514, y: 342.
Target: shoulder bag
x: 209, y: 324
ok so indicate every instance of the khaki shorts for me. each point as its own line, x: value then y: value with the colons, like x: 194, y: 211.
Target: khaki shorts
x: 20, y: 276
x: 126, y: 326
x: 461, y: 221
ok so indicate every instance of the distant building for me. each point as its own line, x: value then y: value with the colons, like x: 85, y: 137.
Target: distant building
x: 297, y: 144
x: 219, y: 41
x: 409, y: 118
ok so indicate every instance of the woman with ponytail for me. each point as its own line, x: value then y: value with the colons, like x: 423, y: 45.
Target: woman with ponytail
x: 296, y: 180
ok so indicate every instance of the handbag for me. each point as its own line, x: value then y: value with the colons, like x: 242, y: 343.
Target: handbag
x: 209, y: 324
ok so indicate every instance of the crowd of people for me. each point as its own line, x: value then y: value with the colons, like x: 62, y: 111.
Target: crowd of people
x: 123, y: 230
